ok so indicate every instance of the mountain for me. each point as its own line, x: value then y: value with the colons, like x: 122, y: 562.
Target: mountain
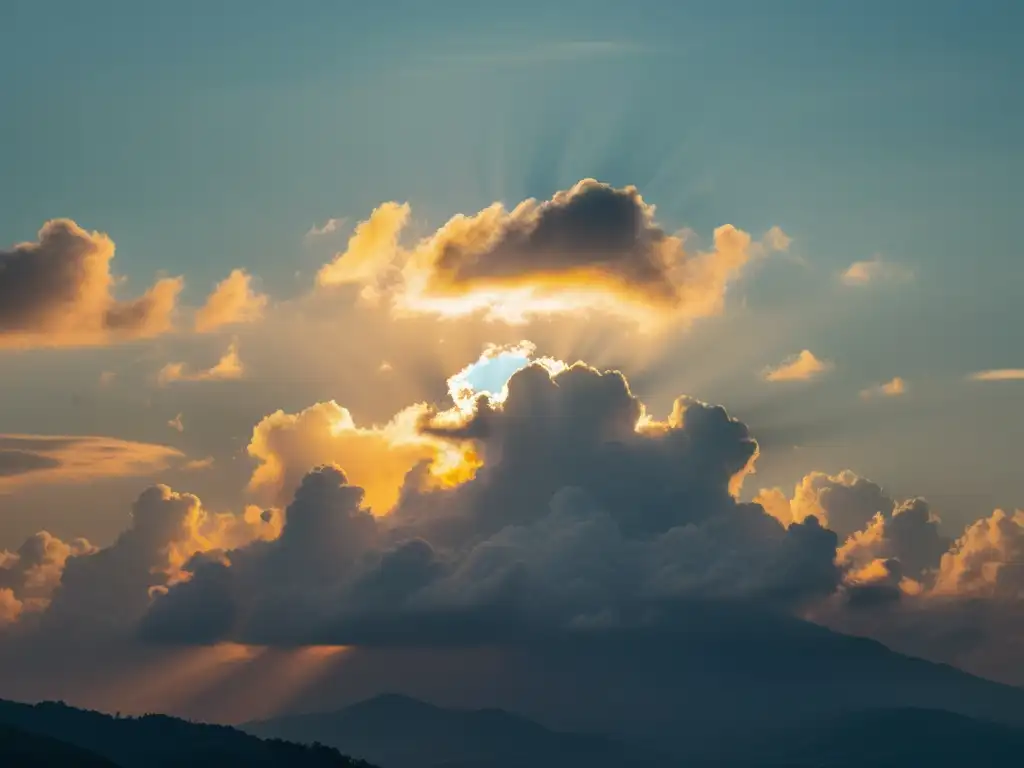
x: 689, y: 690
x: 724, y: 680
x: 53, y: 734
x: 883, y: 738
x: 21, y: 749
x: 400, y: 732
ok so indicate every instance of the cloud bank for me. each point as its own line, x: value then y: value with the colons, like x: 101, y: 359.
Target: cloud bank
x: 557, y: 506
x: 42, y: 459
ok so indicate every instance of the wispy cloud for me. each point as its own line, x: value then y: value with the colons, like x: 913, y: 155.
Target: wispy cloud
x: 999, y: 374
x: 893, y: 388
x: 228, y: 367
x: 800, y: 367
x: 329, y: 227
x: 875, y: 270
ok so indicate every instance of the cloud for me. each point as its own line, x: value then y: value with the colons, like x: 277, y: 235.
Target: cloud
x: 909, y: 534
x: 592, y: 247
x: 227, y: 368
x: 540, y: 500
x: 587, y: 514
x: 800, y: 367
x: 987, y: 560
x: 110, y: 588
x: 377, y: 457
x: 59, y: 292
x: 999, y: 374
x: 196, y: 465
x: 844, y: 502
x: 862, y: 273
x: 32, y: 573
x: 892, y: 388
x: 371, y: 249
x: 38, y: 459
x: 233, y: 301
x: 329, y: 227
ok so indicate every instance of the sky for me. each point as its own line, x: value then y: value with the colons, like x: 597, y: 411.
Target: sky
x: 240, y: 240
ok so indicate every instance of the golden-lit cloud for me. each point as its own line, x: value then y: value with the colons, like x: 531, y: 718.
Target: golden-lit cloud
x: 10, y: 607
x: 893, y: 388
x: 987, y: 560
x: 233, y: 301
x: 59, y: 292
x: 377, y: 458
x: 590, y: 248
x: 43, y: 459
x: 228, y: 367
x: 32, y: 573
x: 844, y: 502
x: 999, y: 374
x: 372, y: 248
x: 803, y: 366
x: 862, y: 273
x: 196, y: 465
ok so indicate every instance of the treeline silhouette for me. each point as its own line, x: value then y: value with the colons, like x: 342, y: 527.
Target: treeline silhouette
x: 54, y: 734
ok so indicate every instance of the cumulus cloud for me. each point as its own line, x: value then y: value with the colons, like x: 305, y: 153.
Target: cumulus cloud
x: 909, y: 534
x: 32, y: 573
x: 543, y: 499
x: 586, y: 514
x: 844, y: 502
x: 862, y: 273
x: 376, y: 457
x: 78, y: 588
x: 42, y: 459
x: 59, y: 291
x: 233, y: 301
x: 227, y: 368
x: 987, y: 560
x: 800, y: 367
x: 999, y: 374
x: 592, y: 247
x: 892, y: 388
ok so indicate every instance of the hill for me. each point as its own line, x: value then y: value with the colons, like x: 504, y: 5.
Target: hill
x: 21, y: 749
x: 87, y: 738
x: 400, y: 732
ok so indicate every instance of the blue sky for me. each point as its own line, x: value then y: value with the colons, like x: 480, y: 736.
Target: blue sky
x: 214, y: 134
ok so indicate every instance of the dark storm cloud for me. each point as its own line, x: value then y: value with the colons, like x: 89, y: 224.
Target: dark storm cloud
x: 591, y: 227
x: 578, y: 522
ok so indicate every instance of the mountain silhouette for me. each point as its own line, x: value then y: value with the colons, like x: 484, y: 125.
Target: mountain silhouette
x: 400, y: 732
x: 728, y: 682
x: 54, y: 734
x: 22, y: 749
